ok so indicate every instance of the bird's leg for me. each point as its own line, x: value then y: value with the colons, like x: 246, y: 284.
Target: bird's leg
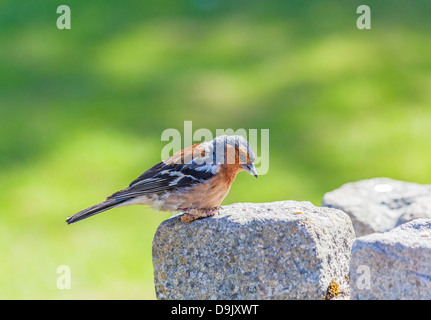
x: 194, y: 214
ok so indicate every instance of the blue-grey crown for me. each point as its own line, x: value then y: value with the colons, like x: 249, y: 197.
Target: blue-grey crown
x: 219, y: 144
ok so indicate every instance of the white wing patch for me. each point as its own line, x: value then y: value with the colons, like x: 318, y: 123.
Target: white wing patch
x: 213, y: 168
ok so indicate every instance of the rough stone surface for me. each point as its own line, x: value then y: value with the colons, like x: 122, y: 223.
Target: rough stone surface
x: 278, y: 250
x: 394, y: 264
x: 380, y: 204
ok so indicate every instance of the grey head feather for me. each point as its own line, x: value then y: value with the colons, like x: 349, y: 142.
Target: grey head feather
x: 217, y: 148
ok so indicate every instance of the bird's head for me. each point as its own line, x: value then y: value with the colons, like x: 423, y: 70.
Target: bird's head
x: 234, y: 151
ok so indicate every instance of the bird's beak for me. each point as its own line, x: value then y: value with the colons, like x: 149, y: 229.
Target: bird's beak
x: 250, y: 168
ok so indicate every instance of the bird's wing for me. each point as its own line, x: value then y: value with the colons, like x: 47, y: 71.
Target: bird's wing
x: 167, y: 176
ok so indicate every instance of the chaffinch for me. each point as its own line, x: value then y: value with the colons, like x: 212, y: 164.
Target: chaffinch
x: 194, y: 180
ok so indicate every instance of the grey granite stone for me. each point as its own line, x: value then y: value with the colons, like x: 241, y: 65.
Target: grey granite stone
x: 278, y: 250
x: 393, y: 265
x: 380, y: 204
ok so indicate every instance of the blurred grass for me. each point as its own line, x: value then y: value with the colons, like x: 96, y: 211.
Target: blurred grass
x: 82, y: 112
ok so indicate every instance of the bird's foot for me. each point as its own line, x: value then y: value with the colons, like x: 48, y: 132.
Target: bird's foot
x: 194, y: 214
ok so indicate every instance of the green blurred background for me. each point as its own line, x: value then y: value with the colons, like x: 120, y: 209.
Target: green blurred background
x: 82, y: 112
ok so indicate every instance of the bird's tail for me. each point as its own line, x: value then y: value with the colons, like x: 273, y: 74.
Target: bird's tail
x: 98, y: 208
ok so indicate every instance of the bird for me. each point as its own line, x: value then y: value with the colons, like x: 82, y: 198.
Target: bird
x: 193, y: 181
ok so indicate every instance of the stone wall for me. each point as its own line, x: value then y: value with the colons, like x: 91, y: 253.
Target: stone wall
x: 295, y: 250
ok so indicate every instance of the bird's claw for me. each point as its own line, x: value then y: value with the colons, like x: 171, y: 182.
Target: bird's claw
x: 194, y: 214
